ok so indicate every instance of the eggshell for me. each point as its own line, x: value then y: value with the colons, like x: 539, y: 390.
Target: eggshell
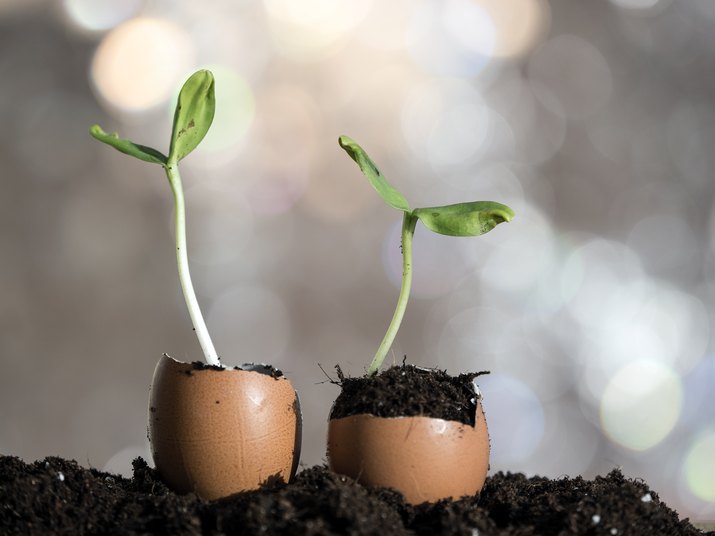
x: 424, y: 458
x: 218, y: 432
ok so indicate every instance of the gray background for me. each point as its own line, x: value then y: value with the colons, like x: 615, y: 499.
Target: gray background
x: 592, y: 309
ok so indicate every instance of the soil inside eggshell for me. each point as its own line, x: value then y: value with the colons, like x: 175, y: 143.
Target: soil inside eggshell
x: 408, y: 391
x: 58, y: 496
x: 261, y: 368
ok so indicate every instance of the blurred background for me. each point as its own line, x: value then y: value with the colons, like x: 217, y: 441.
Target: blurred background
x: 592, y: 309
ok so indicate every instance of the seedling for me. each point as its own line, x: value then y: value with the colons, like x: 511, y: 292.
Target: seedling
x: 192, y: 118
x: 213, y: 430
x: 462, y: 219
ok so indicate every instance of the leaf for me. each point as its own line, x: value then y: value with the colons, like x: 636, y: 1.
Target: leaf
x: 128, y: 147
x: 464, y: 219
x: 388, y: 192
x: 193, y: 115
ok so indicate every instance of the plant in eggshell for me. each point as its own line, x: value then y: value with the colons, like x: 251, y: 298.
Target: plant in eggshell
x: 425, y: 458
x: 214, y: 430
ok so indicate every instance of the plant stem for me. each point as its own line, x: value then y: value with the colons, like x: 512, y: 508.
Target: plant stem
x: 182, y: 259
x: 409, y: 221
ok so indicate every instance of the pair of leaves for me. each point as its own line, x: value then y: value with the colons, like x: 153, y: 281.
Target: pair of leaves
x: 462, y: 219
x: 192, y: 119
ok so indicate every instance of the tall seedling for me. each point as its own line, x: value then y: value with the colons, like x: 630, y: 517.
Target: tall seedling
x: 193, y: 116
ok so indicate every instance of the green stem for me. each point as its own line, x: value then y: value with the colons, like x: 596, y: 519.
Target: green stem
x: 409, y: 221
x: 182, y: 259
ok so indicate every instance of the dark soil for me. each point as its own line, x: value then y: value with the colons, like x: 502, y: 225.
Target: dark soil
x: 408, y: 391
x: 262, y: 368
x: 56, y: 496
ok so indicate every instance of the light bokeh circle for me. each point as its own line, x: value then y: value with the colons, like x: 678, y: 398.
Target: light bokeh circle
x: 641, y: 405
x: 699, y: 466
x: 139, y: 64
x: 100, y: 15
x: 518, y: 25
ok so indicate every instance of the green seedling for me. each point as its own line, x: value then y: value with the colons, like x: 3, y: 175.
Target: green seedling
x: 192, y: 118
x: 462, y: 219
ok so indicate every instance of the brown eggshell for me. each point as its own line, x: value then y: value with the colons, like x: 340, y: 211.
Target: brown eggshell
x: 424, y: 458
x: 218, y: 432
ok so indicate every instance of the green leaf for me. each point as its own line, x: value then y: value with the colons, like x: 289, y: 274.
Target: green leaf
x: 464, y: 219
x: 128, y: 147
x: 194, y: 114
x: 388, y: 192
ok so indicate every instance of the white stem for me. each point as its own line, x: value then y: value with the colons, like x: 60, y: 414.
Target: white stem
x: 182, y: 259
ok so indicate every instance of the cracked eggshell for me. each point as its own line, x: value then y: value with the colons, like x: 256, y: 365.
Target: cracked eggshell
x: 425, y: 458
x: 217, y: 432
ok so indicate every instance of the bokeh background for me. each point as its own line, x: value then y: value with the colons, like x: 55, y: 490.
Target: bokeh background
x: 593, y: 308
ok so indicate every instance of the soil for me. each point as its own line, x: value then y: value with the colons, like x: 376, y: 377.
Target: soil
x: 408, y: 391
x: 57, y: 496
x: 262, y: 368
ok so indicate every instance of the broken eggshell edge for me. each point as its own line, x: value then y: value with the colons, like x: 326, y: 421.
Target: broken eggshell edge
x: 425, y: 458
x: 216, y: 432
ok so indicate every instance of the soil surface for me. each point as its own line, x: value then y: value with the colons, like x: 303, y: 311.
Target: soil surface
x: 408, y: 391
x: 57, y: 496
x: 262, y: 368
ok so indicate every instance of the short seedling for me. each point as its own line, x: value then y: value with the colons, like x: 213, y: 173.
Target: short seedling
x: 192, y: 118
x: 462, y: 219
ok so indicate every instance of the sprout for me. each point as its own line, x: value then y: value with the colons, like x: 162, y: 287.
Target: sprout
x: 461, y: 219
x: 192, y: 119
